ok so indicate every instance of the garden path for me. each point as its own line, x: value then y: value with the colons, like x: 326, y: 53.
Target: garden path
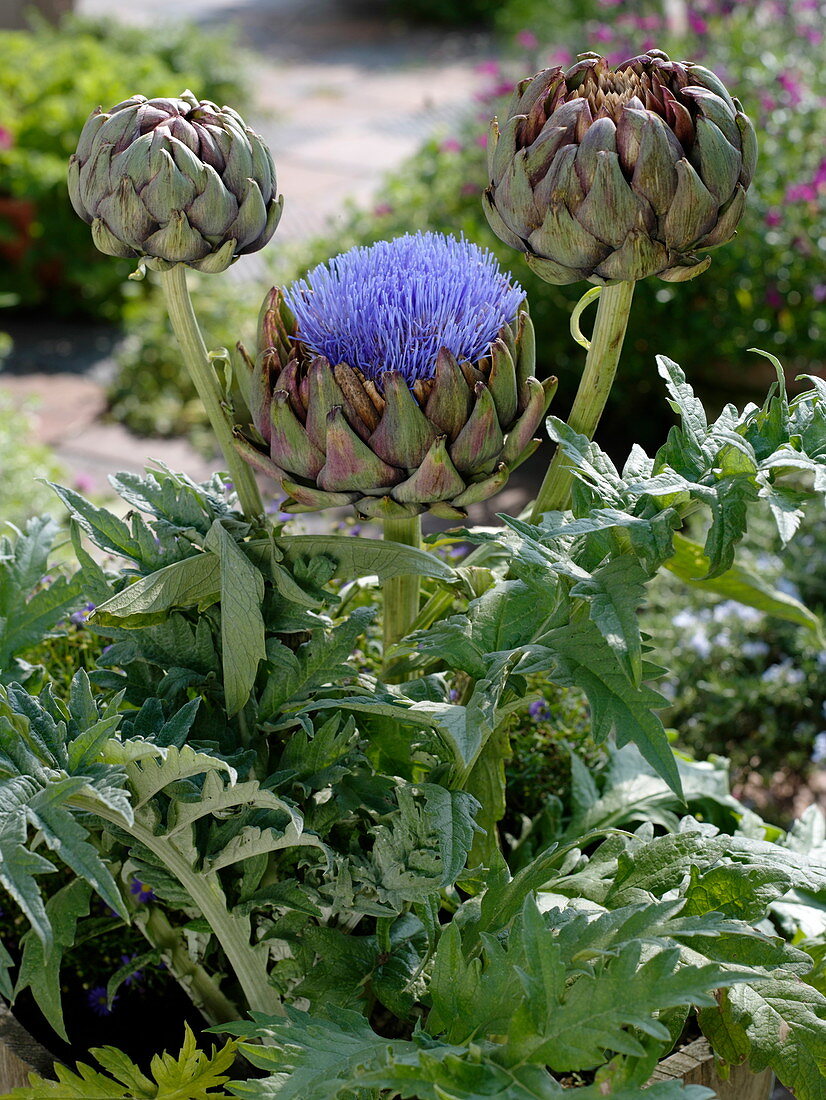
x: 343, y: 94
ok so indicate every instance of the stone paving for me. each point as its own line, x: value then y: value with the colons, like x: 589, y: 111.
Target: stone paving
x: 344, y: 93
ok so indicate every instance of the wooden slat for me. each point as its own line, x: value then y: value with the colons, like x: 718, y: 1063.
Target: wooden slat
x: 695, y: 1065
x: 19, y: 1053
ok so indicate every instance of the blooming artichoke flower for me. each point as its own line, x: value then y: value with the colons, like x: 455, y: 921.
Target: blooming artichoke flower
x: 612, y: 175
x: 396, y: 378
x: 174, y: 181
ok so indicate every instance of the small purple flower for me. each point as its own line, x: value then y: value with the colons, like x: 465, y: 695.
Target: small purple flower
x: 99, y: 1002
x: 450, y: 145
x: 382, y: 209
x: 80, y: 617
x: 819, y: 292
x: 394, y: 305
x: 141, y: 892
x: 539, y: 710
x: 6, y: 139
x: 136, y: 977
x: 773, y: 218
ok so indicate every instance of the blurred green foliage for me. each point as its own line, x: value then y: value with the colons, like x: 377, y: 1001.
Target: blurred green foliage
x: 50, y: 80
x: 742, y: 684
x: 21, y: 462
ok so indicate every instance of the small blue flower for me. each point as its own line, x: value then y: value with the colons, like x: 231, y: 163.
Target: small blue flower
x: 394, y: 305
x: 539, y: 710
x: 99, y: 1002
x: 80, y: 617
x: 141, y: 891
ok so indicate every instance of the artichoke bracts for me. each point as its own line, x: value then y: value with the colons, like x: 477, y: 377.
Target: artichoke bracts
x: 613, y: 175
x: 174, y: 181
x: 425, y: 399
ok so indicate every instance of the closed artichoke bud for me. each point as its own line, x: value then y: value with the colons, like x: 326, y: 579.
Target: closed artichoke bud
x: 174, y: 181
x: 612, y: 175
x: 398, y: 378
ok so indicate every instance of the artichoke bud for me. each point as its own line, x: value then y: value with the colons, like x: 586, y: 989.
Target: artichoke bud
x: 174, y: 181
x: 614, y: 174
x: 424, y: 432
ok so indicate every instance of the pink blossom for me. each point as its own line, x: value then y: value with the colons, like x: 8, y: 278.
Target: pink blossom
x: 819, y: 292
x: 382, y: 210
x: 482, y: 140
x: 488, y: 68
x: 774, y: 299
x: 819, y: 180
x: 560, y: 57
x: 469, y: 189
x: 648, y: 43
x: 768, y: 102
x: 800, y: 192
x: 450, y: 145
x: 650, y: 23
x: 813, y: 36
x: 527, y: 40
x: 773, y: 218
x: 84, y: 483
x: 697, y: 23
x: 6, y: 139
x: 792, y: 87
x: 602, y: 34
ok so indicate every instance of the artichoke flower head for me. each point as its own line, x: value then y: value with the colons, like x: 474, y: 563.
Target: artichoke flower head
x: 615, y: 174
x: 396, y: 378
x: 174, y: 181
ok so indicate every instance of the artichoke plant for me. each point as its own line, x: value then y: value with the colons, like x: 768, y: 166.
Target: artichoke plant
x: 174, y: 181
x: 397, y: 378
x: 615, y: 174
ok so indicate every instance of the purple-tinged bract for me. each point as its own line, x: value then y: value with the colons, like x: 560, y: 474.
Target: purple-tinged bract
x: 394, y: 305
x: 397, y: 378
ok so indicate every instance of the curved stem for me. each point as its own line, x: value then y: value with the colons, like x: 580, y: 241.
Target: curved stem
x: 201, y: 987
x: 201, y: 371
x: 597, y: 378
x: 401, y: 594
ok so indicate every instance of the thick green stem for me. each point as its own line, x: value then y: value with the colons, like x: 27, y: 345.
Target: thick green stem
x: 201, y: 987
x: 203, y: 376
x: 401, y: 594
x: 249, y: 961
x: 597, y: 378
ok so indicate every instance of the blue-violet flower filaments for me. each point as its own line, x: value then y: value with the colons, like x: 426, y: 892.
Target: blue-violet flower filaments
x: 397, y: 378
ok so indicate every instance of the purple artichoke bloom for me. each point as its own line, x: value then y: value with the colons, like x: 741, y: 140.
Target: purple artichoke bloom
x: 396, y: 378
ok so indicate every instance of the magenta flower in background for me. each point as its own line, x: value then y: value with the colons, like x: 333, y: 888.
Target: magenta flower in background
x: 819, y: 292
x: 488, y: 68
x: 773, y: 218
x: 602, y: 33
x: 382, y: 209
x: 773, y: 298
x: 469, y: 189
x: 482, y: 140
x: 793, y: 88
x: 696, y: 23
x: 450, y: 145
x: 800, y: 192
x: 6, y: 139
x: 527, y: 40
